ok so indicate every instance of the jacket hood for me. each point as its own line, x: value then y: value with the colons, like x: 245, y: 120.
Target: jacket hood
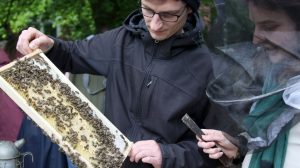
x: 192, y: 30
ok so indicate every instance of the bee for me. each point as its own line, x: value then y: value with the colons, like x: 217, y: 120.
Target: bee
x: 86, y: 147
x: 47, y: 91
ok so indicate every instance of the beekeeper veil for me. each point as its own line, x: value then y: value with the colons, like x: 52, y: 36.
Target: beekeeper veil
x: 257, y: 68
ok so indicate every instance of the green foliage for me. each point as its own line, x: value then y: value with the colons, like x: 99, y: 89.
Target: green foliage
x: 108, y: 14
x: 207, y: 2
x: 15, y: 14
x: 74, y: 18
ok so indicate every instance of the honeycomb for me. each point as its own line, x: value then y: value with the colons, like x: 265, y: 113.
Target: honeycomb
x: 63, y: 113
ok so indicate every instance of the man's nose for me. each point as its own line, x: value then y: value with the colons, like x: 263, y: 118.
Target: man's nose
x: 156, y: 22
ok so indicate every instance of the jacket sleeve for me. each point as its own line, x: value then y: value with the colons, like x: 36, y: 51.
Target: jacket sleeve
x: 185, y: 154
x: 91, y: 56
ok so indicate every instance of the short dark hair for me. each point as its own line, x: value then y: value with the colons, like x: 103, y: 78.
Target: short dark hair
x: 193, y: 4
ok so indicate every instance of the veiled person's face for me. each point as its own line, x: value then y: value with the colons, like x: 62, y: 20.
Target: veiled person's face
x: 274, y: 31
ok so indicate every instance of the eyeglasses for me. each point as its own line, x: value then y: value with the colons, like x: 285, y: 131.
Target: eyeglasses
x: 164, y: 16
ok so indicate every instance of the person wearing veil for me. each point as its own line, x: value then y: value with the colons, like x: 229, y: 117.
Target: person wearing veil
x: 272, y: 129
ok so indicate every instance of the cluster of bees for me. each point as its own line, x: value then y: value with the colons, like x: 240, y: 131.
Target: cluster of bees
x: 73, y: 118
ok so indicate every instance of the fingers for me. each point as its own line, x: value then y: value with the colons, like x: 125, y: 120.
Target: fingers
x: 43, y: 42
x: 210, y: 149
x: 23, y: 41
x: 140, y: 149
x: 150, y: 160
x: 205, y: 145
x: 216, y: 143
x: 216, y: 155
x: 213, y: 135
x: 32, y: 39
x: 141, y: 155
x: 147, y: 152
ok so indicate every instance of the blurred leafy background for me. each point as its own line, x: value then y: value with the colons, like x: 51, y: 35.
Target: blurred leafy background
x: 68, y: 19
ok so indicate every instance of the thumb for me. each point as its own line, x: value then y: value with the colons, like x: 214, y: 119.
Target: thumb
x: 34, y: 44
x: 148, y: 159
x: 43, y: 42
x: 152, y: 161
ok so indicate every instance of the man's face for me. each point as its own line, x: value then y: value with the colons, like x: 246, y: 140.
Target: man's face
x: 160, y: 29
x: 275, y: 31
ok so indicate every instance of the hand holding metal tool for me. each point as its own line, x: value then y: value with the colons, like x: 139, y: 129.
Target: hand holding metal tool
x: 189, y: 122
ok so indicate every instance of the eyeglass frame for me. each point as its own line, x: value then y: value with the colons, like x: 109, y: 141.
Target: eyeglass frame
x: 159, y: 14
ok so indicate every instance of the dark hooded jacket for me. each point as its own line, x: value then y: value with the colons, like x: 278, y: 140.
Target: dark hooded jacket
x: 150, y: 84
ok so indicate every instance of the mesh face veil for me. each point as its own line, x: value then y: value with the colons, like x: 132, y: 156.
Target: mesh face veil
x: 257, y: 74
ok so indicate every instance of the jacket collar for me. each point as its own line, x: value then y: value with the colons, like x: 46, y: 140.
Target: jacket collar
x: 192, y: 35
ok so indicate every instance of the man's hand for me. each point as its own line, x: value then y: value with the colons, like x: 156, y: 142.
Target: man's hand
x: 32, y: 39
x: 147, y: 151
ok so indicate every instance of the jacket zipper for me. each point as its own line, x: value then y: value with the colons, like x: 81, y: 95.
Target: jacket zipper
x: 147, y: 82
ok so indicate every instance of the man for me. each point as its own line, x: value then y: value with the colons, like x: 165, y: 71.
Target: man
x: 157, y: 69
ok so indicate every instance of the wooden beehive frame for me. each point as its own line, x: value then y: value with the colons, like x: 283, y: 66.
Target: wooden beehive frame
x: 120, y: 141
